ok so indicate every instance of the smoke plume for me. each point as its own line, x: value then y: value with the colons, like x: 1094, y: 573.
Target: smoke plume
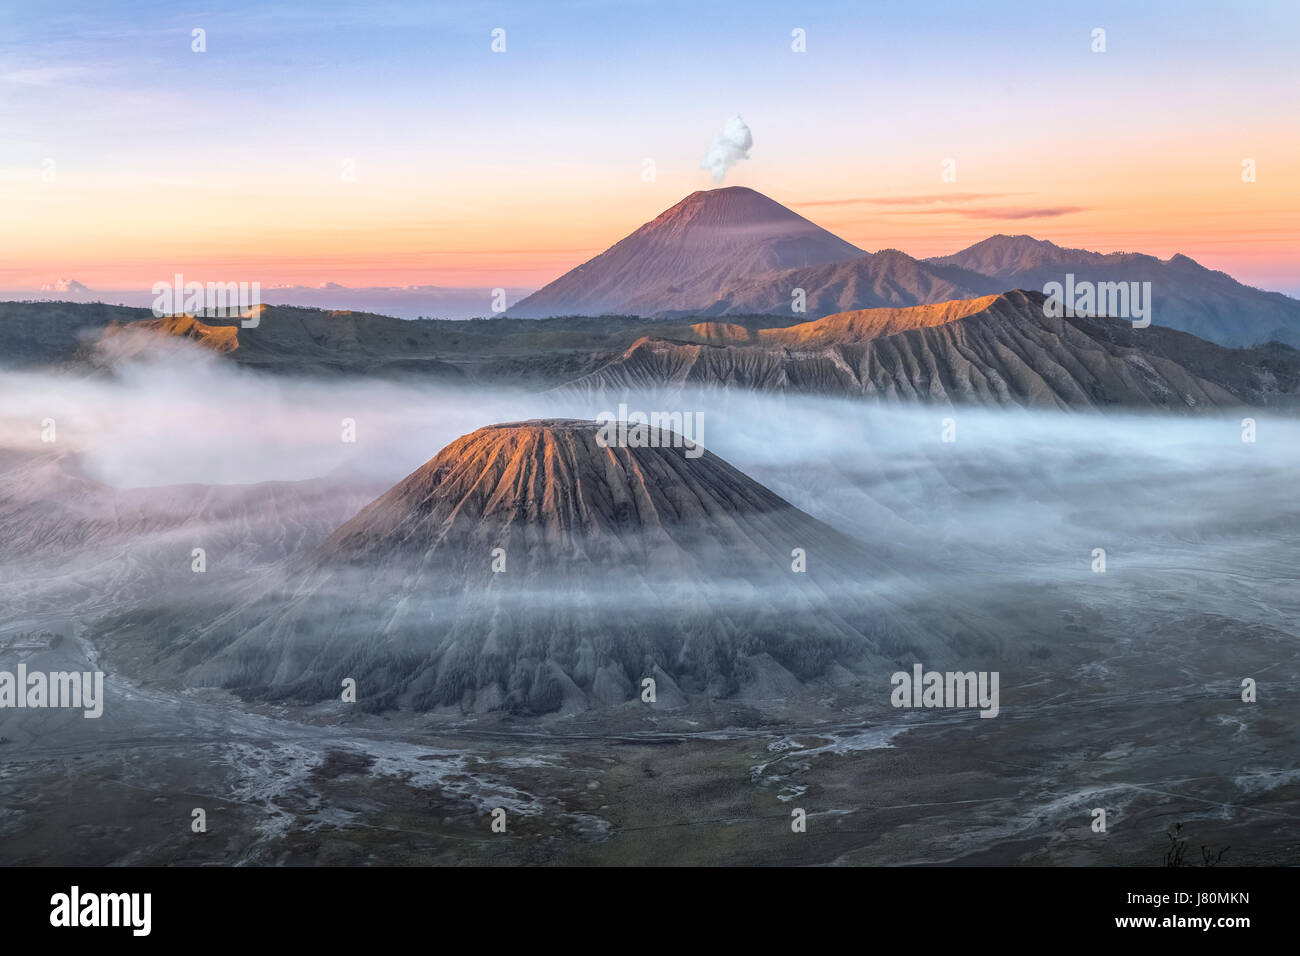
x: 728, y: 147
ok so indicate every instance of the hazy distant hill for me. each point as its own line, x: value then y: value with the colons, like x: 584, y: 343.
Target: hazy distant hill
x: 47, y: 333
x: 1185, y: 295
x: 407, y: 302
x: 300, y: 341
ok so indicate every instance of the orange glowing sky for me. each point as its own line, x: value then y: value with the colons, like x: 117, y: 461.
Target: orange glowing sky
x: 475, y: 169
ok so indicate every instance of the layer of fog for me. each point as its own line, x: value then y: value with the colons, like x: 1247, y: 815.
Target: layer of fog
x: 1016, y: 498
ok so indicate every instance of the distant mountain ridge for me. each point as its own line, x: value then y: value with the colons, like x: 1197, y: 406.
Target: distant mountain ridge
x: 1185, y: 294
x: 993, y: 349
x: 406, y: 302
x: 999, y: 350
x: 65, y: 285
x: 733, y: 251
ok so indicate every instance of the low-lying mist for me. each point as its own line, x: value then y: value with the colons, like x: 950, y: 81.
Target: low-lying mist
x: 990, y: 512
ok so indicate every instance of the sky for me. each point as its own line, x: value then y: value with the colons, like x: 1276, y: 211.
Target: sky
x: 388, y: 144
